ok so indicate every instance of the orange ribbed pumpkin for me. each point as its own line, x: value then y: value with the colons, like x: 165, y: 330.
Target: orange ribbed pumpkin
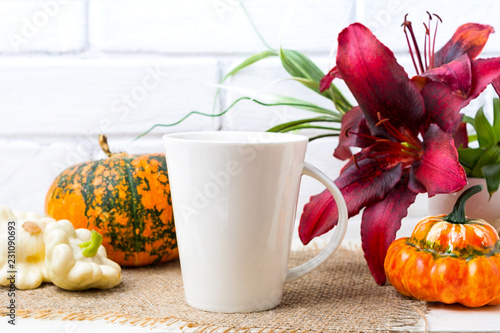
x: 126, y: 198
x: 449, y: 258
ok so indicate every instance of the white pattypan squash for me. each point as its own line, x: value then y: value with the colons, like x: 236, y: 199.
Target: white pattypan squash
x: 76, y: 260
x: 22, y: 234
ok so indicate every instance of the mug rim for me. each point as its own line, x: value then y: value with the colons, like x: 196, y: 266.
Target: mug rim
x: 235, y: 137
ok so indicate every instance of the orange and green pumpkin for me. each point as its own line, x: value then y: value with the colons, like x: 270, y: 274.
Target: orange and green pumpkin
x: 448, y: 258
x: 126, y: 198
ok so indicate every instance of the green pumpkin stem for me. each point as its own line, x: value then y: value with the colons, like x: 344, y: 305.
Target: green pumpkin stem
x: 457, y: 215
x: 90, y: 247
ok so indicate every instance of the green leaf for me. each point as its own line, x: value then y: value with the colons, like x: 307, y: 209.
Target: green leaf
x: 300, y: 66
x: 249, y: 61
x: 341, y: 103
x: 490, y: 156
x: 492, y: 175
x: 472, y: 138
x: 485, y: 134
x: 338, y: 99
x: 322, y: 136
x: 313, y: 85
x: 496, y: 118
x: 309, y: 126
x: 276, y: 99
x: 469, y: 120
x: 299, y: 104
x: 472, y: 122
x: 294, y: 124
x: 468, y: 171
x: 468, y: 157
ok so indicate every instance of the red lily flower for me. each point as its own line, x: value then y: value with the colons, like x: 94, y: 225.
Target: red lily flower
x: 450, y: 65
x: 454, y: 65
x: 405, y: 151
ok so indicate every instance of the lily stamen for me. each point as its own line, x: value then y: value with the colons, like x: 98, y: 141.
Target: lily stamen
x: 366, y: 136
x: 355, y: 160
x: 407, y: 25
x: 381, y: 121
x: 434, y: 40
x: 394, y: 148
x: 428, y: 49
x: 409, y: 152
x: 391, y: 129
x: 394, y: 131
x: 425, y: 46
x: 409, y: 145
x: 427, y: 42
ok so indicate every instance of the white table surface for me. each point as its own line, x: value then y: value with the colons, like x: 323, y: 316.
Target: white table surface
x: 439, y: 318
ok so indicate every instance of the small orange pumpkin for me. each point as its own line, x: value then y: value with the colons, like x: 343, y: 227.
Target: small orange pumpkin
x: 126, y: 198
x: 448, y: 258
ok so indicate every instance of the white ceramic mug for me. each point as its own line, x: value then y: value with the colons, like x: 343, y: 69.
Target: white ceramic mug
x: 234, y: 197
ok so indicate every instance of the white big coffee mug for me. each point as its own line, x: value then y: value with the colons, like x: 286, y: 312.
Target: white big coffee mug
x: 234, y: 197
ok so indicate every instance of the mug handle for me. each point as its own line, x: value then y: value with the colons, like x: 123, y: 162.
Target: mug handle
x: 298, y: 272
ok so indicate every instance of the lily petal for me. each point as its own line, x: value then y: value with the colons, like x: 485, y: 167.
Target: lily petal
x: 438, y: 170
x: 327, y: 80
x: 353, y: 123
x: 456, y: 75
x: 361, y: 187
x: 379, y: 226
x: 496, y: 85
x: 377, y: 81
x: 469, y: 39
x: 442, y: 106
x: 460, y: 137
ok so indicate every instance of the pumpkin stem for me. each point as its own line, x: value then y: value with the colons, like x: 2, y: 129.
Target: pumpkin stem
x: 103, y: 142
x: 90, y: 247
x: 457, y: 215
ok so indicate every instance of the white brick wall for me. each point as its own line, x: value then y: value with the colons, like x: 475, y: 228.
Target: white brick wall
x: 51, y: 26
x: 218, y: 26
x: 70, y: 69
x: 75, y: 97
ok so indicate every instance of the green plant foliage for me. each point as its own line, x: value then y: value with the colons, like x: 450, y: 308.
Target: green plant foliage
x: 484, y: 161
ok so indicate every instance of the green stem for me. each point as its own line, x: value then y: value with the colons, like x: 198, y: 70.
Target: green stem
x: 457, y: 215
x: 334, y: 117
x: 90, y: 247
x: 189, y: 114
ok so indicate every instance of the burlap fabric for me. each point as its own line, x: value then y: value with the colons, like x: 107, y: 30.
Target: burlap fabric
x: 340, y: 296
